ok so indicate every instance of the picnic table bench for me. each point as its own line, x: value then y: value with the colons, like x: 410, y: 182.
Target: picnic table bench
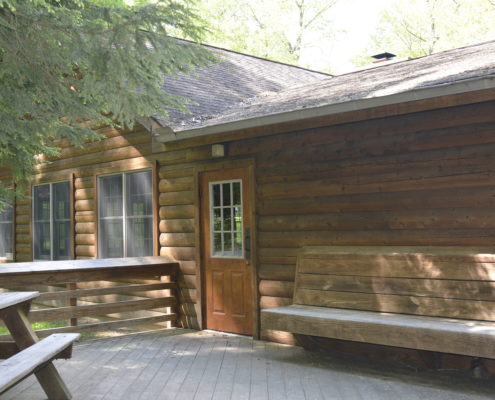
x: 28, y: 355
x: 439, y: 299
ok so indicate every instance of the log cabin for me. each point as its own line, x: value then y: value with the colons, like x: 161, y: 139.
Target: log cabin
x: 273, y: 158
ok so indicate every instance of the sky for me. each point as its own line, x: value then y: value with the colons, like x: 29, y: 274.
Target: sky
x: 355, y: 21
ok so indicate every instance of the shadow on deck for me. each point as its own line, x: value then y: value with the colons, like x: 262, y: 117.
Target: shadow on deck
x: 182, y: 364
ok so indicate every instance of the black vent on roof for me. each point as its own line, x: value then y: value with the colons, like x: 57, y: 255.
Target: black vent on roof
x: 383, y: 56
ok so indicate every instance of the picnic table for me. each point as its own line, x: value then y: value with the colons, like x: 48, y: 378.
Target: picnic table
x: 28, y: 355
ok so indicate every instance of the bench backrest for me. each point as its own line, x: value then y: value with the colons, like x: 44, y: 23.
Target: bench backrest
x: 455, y: 282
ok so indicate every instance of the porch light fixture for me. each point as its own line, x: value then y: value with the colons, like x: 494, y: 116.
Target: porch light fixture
x: 218, y: 150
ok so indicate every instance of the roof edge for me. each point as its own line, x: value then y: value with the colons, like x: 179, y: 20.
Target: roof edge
x: 465, y: 86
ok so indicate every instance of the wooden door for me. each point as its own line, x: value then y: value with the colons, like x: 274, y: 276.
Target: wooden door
x: 226, y: 245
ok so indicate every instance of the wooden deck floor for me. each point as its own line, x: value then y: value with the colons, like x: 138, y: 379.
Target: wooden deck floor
x: 199, y: 365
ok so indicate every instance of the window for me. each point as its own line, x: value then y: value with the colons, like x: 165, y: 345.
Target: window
x: 125, y: 215
x: 226, y: 219
x: 6, y: 233
x: 51, y: 221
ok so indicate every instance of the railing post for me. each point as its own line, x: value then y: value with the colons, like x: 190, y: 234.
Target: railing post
x: 175, y: 293
x: 72, y: 302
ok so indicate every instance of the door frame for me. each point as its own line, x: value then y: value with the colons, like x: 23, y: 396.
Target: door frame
x: 248, y: 163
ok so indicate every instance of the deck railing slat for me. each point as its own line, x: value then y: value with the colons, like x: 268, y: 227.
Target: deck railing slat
x: 118, y: 293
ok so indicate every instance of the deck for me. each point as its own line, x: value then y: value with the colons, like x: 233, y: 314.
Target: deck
x: 182, y: 364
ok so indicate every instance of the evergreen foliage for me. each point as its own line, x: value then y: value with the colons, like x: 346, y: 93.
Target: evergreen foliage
x: 69, y: 65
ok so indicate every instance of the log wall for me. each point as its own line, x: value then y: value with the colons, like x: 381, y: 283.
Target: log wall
x: 422, y: 178
x: 80, y: 165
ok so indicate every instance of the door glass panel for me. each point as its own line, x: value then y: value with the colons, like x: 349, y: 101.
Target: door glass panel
x: 217, y: 219
x: 238, y: 243
x: 237, y: 193
x: 226, y: 219
x: 227, y: 244
x: 226, y: 194
x: 217, y: 243
x: 216, y: 195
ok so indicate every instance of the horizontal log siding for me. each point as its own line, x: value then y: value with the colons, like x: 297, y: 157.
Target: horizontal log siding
x: 424, y: 178
x: 420, y: 179
x: 118, y: 152
x: 417, y: 179
x: 177, y: 237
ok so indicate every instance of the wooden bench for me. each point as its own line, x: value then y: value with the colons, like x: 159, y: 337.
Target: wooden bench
x: 439, y: 299
x: 30, y: 355
x: 27, y: 361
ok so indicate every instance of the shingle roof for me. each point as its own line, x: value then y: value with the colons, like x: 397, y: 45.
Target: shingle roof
x: 429, y: 71
x: 229, y: 82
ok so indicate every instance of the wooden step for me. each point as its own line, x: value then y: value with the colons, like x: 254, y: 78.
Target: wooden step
x: 24, y: 363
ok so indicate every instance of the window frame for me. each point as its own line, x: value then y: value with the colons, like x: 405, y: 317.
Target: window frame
x: 125, y: 216
x: 70, y: 235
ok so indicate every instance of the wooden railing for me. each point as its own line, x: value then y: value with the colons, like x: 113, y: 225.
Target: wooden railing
x: 95, y: 295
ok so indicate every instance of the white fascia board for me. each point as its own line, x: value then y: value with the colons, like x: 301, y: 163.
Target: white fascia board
x: 465, y: 86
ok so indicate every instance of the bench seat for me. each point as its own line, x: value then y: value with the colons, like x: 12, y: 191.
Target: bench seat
x: 27, y: 361
x: 439, y: 299
x: 411, y: 331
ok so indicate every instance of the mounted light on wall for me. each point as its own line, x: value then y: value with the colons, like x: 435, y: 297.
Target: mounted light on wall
x: 218, y: 150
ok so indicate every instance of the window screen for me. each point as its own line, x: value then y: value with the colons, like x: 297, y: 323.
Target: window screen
x: 6, y: 227
x: 139, y: 216
x: 111, y: 216
x: 126, y: 215
x: 51, y: 221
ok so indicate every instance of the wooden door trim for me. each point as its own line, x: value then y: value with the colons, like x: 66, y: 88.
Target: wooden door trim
x: 248, y: 163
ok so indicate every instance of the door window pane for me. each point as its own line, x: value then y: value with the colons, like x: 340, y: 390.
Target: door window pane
x: 236, y: 193
x: 226, y: 194
x: 226, y: 219
x: 216, y: 195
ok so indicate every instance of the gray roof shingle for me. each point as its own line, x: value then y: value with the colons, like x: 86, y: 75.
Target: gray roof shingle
x: 429, y: 71
x: 235, y: 78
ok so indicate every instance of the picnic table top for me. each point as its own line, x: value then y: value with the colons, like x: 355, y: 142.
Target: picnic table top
x: 9, y: 299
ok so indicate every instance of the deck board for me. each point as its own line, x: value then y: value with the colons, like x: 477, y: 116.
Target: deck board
x: 181, y: 364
